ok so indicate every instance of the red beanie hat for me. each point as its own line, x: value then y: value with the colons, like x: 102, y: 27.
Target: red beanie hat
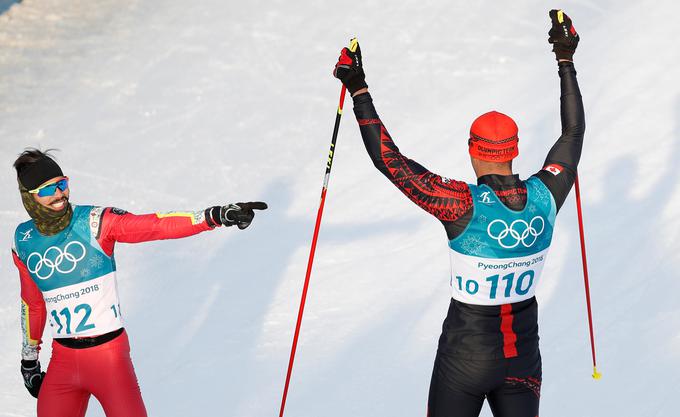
x: 493, y: 138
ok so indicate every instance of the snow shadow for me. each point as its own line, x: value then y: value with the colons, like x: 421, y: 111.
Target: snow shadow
x: 629, y: 265
x: 195, y: 345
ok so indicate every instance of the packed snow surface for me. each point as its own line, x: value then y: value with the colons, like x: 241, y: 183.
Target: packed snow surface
x: 163, y: 105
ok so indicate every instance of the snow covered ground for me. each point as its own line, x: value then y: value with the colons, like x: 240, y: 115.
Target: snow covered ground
x: 167, y: 104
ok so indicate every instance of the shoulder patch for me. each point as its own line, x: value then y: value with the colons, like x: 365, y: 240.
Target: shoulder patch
x: 24, y: 232
x: 117, y: 211
x: 25, y: 235
x: 554, y: 169
x: 485, y: 199
x: 95, y: 220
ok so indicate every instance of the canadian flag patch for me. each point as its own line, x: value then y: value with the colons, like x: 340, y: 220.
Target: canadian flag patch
x: 553, y: 169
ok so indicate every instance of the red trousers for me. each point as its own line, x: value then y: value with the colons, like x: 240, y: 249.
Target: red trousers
x: 104, y: 371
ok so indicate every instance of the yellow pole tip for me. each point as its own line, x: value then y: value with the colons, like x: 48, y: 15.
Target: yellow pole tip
x: 596, y: 375
x: 353, y: 44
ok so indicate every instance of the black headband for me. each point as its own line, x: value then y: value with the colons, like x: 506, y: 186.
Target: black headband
x: 38, y: 172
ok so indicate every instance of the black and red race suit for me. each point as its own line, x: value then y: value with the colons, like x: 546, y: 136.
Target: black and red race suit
x: 474, y: 346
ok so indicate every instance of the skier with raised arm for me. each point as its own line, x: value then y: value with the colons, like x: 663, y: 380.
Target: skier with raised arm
x: 499, y: 232
x: 65, y: 258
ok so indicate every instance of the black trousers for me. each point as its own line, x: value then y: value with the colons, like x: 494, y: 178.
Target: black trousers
x: 459, y: 386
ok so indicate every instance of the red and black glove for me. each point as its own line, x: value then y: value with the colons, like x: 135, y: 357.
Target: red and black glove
x: 350, y: 70
x: 562, y: 35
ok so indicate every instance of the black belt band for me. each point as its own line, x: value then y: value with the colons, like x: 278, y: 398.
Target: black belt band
x: 87, y: 342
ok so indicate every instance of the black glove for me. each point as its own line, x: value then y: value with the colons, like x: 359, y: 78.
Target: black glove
x: 239, y: 214
x: 33, y: 378
x: 562, y: 35
x: 350, y: 71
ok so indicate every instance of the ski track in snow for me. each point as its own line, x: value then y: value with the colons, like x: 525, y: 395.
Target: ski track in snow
x: 169, y: 105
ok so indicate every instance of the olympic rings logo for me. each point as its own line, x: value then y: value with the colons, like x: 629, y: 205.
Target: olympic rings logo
x: 54, y: 259
x: 517, y: 232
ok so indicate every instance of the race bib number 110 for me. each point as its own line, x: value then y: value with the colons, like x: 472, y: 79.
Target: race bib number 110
x: 482, y: 281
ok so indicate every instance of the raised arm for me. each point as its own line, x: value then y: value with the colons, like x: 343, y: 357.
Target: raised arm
x: 560, y: 166
x: 447, y: 200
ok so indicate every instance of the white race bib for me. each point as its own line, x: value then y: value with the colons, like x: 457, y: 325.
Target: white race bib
x: 484, y: 281
x: 88, y: 308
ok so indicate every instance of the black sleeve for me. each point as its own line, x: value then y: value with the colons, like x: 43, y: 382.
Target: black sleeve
x: 559, y: 169
x: 446, y: 199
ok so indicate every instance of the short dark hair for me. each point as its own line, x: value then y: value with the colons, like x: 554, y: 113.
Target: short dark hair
x: 30, y: 156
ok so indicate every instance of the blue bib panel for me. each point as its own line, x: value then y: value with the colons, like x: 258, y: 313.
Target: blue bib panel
x: 499, y: 257
x: 76, y: 278
x: 69, y: 257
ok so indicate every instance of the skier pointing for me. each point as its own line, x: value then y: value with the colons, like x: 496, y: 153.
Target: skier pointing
x: 499, y: 233
x: 65, y: 257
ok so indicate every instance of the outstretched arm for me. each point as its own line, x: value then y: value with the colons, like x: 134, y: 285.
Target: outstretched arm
x: 116, y: 225
x: 559, y: 169
x: 120, y: 226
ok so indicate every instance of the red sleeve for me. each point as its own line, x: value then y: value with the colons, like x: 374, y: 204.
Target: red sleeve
x: 33, y: 312
x: 116, y: 225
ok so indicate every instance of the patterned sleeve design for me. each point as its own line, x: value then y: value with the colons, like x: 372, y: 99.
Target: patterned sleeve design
x: 446, y: 199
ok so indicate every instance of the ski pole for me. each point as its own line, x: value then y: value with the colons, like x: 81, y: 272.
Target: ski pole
x: 596, y: 375
x: 352, y: 46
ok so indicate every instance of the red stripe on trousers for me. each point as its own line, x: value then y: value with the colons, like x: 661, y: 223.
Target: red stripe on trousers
x: 509, y: 337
